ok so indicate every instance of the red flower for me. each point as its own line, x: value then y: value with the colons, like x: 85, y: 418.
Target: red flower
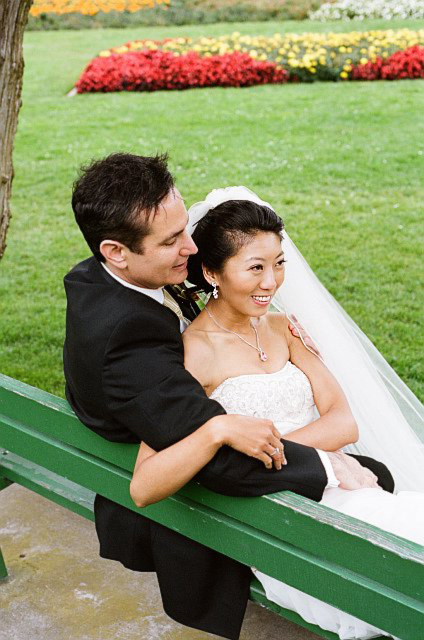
x: 152, y: 70
x: 401, y: 64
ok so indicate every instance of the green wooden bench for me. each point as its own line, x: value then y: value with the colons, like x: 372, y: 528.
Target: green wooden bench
x: 355, y: 567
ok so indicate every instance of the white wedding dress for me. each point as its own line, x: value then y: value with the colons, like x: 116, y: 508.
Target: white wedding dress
x: 286, y: 398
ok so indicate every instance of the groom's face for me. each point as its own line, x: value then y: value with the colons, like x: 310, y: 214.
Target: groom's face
x: 166, y: 248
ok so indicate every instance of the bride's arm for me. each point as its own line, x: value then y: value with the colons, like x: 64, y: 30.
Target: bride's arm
x: 336, y: 426
x: 158, y: 475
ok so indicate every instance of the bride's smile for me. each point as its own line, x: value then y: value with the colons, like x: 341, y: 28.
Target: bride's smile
x: 249, y: 280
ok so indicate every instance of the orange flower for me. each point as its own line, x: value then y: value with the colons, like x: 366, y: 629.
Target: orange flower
x: 91, y: 7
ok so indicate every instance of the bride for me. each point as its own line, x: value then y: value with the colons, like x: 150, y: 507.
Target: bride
x: 246, y: 358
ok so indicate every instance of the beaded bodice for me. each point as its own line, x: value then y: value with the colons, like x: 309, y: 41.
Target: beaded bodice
x: 285, y: 397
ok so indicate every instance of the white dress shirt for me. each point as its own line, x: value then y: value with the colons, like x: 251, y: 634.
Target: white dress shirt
x: 157, y: 294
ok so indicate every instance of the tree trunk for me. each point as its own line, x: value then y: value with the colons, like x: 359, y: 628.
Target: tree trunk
x: 13, y: 18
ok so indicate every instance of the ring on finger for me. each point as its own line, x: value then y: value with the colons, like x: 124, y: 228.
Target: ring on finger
x: 275, y: 452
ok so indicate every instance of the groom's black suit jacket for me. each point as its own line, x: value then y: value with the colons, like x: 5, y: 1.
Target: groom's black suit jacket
x: 125, y: 379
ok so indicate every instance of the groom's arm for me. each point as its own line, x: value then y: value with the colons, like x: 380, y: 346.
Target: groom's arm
x: 150, y: 394
x: 146, y: 387
x: 232, y: 473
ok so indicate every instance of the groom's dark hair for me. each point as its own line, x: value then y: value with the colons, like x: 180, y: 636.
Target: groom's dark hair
x: 223, y: 231
x: 110, y: 194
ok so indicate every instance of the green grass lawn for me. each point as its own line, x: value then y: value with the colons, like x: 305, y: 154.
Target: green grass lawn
x: 341, y: 162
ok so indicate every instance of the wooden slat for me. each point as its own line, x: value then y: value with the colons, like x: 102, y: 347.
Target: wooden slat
x: 47, y: 484
x: 3, y: 568
x: 386, y: 554
x: 53, y: 416
x: 356, y: 545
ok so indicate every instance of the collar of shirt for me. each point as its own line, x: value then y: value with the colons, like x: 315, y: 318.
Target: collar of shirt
x: 156, y: 294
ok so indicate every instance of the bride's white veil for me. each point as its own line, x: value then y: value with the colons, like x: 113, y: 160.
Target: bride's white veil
x: 389, y: 416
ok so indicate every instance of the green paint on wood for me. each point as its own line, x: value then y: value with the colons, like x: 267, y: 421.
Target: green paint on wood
x: 49, y: 485
x: 3, y: 569
x: 356, y: 567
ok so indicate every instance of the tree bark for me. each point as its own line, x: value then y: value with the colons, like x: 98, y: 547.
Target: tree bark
x: 13, y: 18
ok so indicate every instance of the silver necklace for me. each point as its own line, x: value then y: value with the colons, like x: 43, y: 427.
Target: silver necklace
x: 262, y: 355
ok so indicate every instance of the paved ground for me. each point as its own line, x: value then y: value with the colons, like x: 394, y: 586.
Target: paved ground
x: 59, y: 589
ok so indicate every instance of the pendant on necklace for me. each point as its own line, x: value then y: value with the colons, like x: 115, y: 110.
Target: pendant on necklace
x: 263, y: 356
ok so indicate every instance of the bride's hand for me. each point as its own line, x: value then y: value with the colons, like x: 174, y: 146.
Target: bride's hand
x: 351, y: 474
x: 254, y: 437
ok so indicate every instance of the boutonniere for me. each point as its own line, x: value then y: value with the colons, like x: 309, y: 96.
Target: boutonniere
x: 186, y: 293
x: 180, y: 292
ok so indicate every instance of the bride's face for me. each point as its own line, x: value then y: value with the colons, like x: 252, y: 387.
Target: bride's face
x: 251, y: 277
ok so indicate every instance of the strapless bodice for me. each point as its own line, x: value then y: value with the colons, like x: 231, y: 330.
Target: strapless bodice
x: 285, y: 397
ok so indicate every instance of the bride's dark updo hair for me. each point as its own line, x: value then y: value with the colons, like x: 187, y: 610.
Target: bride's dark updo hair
x: 222, y: 232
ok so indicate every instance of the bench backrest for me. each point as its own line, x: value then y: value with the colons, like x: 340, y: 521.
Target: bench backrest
x: 369, y: 573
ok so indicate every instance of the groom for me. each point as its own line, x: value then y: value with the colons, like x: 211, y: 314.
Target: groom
x: 125, y: 379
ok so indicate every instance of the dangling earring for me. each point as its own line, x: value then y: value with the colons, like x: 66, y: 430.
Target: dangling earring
x: 215, y: 290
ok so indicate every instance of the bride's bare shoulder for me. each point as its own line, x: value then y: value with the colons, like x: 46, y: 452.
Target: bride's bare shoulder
x: 199, y: 353
x: 278, y: 322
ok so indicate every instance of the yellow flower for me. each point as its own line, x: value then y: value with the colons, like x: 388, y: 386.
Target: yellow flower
x: 304, y: 51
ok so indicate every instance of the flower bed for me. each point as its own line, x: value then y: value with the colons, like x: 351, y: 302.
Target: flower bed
x: 80, y: 14
x: 155, y: 69
x: 91, y: 7
x: 366, y: 9
x: 237, y: 60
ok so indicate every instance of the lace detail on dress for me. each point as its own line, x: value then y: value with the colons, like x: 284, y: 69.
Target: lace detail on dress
x: 285, y: 397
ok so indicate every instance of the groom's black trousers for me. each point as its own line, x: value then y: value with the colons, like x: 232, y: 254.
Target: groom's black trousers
x: 217, y: 602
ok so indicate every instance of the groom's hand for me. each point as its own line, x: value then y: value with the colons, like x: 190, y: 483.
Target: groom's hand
x: 298, y: 331
x: 351, y: 474
x: 255, y: 437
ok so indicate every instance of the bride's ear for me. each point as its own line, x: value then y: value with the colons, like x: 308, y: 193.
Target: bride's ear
x: 209, y: 276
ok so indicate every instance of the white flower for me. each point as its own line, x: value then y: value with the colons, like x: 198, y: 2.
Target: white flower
x: 362, y: 9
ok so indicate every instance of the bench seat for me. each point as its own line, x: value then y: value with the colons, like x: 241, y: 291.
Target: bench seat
x: 358, y: 568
